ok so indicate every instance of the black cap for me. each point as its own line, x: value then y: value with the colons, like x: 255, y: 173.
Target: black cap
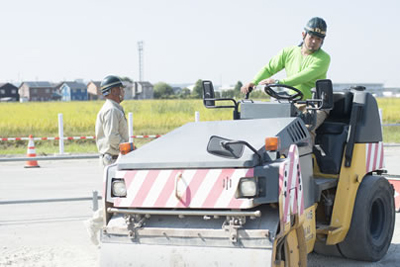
x: 110, y: 82
x: 316, y: 26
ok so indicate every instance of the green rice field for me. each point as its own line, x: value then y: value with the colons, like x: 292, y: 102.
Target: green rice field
x: 149, y: 117
x: 40, y: 119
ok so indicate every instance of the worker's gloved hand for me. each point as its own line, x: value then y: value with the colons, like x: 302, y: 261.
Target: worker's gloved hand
x: 107, y: 159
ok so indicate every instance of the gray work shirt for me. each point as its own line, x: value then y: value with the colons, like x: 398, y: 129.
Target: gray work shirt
x: 111, y: 128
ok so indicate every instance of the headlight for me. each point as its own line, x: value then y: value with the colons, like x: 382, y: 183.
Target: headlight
x: 248, y: 187
x: 118, y: 188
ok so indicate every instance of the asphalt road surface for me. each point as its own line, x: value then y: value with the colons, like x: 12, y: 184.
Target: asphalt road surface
x: 53, y: 234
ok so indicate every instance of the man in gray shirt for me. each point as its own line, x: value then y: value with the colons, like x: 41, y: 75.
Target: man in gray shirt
x: 111, y: 130
x: 111, y: 124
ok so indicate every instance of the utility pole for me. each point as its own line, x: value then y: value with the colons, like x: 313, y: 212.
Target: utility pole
x: 140, y: 49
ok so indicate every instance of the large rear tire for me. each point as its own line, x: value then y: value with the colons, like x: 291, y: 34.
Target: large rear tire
x: 372, y: 223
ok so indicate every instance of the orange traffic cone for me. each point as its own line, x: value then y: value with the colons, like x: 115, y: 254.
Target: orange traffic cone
x: 31, y: 153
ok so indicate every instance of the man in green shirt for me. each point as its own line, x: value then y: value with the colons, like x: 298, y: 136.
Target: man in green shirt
x: 304, y: 64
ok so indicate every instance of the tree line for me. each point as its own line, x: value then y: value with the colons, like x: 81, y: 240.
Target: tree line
x: 163, y: 90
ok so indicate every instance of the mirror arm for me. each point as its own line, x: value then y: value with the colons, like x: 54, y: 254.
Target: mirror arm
x: 227, y: 143
x: 222, y: 99
x: 312, y: 102
x: 223, y: 107
x: 236, y: 114
x: 314, y: 120
x: 227, y: 99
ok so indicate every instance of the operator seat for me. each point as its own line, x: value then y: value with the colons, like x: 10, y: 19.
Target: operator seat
x: 332, y: 134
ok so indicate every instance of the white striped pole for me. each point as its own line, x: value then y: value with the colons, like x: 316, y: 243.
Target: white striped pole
x: 130, y: 127
x: 197, y: 116
x: 61, y: 133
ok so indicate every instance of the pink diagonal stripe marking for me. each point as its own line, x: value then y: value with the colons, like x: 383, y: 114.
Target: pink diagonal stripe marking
x: 281, y: 176
x: 167, y: 190
x: 289, y: 184
x: 192, y: 188
x: 217, y: 189
x: 375, y: 155
x: 282, y: 168
x: 301, y: 196
x: 145, y: 188
x: 296, y: 182
x: 128, y: 178
x: 382, y: 155
x: 368, y: 155
x: 299, y: 191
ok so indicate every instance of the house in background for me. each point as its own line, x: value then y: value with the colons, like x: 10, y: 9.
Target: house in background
x: 36, y: 91
x: 129, y: 89
x: 73, y: 91
x: 8, y: 92
x: 133, y: 90
x: 94, y: 92
x: 142, y: 90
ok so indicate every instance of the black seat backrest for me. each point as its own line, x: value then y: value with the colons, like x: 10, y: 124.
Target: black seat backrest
x: 332, y: 134
x: 342, y: 107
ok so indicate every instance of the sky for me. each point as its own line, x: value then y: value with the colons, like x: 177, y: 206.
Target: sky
x: 185, y: 40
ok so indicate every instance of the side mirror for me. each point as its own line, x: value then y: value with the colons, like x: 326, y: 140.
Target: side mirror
x: 208, y: 94
x: 325, y: 93
x: 209, y: 99
x: 220, y: 146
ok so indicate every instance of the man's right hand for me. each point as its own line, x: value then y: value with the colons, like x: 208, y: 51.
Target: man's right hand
x: 247, y: 88
x: 267, y: 81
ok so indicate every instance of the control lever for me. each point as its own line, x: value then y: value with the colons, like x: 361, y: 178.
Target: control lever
x: 248, y: 93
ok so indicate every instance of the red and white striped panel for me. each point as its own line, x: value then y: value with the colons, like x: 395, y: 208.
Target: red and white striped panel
x: 46, y: 138
x: 374, y: 156
x: 70, y: 138
x: 146, y: 136
x: 195, y: 188
x: 291, y: 185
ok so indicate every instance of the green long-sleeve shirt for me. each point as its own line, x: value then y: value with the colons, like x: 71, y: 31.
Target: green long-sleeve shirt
x: 301, y: 71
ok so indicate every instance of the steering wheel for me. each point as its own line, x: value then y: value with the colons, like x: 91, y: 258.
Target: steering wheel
x: 283, y: 95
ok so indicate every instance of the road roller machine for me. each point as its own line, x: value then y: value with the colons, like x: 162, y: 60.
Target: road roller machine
x: 256, y: 190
